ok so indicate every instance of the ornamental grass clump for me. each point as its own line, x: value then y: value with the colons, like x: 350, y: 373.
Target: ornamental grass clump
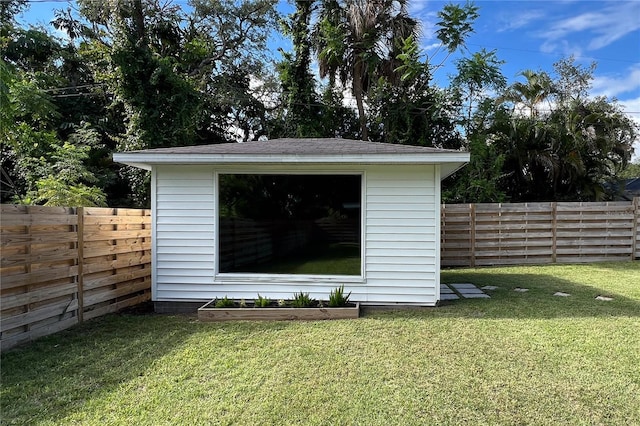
x: 337, y: 298
x: 261, y: 302
x: 225, y: 302
x: 302, y: 300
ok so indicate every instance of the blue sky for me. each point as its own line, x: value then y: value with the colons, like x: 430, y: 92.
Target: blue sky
x: 526, y: 35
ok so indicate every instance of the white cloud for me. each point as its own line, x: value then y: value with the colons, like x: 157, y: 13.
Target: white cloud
x: 632, y: 109
x: 432, y: 46
x: 598, y: 28
x: 607, y: 85
x: 563, y: 47
x: 417, y: 7
x: 514, y: 22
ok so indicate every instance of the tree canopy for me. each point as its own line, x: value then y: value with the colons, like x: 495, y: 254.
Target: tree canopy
x: 138, y: 74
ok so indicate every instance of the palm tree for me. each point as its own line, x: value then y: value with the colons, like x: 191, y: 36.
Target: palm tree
x: 531, y: 93
x: 358, y: 40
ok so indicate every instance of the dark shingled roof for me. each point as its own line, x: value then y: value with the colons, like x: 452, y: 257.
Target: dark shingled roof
x: 291, y: 146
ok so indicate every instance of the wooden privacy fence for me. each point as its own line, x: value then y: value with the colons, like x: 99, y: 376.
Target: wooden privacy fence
x: 539, y: 233
x: 61, y: 266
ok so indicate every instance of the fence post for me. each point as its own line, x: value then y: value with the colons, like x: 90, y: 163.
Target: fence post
x: 29, y: 260
x: 80, y: 253
x: 472, y: 244
x: 554, y: 231
x: 635, y: 225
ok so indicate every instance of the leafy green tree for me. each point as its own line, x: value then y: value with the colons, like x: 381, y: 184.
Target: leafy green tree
x: 480, y: 180
x: 359, y: 40
x: 529, y: 95
x: 64, y: 185
x: 49, y: 97
x: 370, y: 46
x: 476, y: 75
x: 37, y: 168
x: 176, y: 78
x: 631, y: 171
x: 410, y: 110
x: 568, y: 151
x: 455, y: 25
x: 303, y: 109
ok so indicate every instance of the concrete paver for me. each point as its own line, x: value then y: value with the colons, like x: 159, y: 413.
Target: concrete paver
x: 464, y: 290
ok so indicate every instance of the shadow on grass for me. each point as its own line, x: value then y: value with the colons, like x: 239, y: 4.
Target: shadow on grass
x: 583, y: 283
x: 51, y: 378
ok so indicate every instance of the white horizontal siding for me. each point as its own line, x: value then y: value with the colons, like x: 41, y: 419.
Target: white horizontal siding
x: 388, y: 260
x: 401, y: 258
x: 184, y: 231
x: 182, y: 258
x: 249, y: 290
x: 174, y: 245
x: 401, y: 255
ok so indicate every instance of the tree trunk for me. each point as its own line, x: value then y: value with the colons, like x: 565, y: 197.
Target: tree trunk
x: 359, y: 93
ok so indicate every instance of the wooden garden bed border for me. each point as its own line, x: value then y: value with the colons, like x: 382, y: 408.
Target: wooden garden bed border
x: 210, y: 313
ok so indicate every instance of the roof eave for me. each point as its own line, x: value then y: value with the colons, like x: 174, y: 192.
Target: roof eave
x: 146, y: 160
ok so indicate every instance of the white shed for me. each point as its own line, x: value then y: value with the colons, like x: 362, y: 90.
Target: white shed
x: 392, y: 221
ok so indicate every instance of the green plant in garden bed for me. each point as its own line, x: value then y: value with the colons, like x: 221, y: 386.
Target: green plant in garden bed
x: 337, y: 298
x: 225, y: 302
x: 302, y: 300
x: 261, y: 302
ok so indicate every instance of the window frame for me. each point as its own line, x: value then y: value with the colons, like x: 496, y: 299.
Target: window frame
x: 257, y: 277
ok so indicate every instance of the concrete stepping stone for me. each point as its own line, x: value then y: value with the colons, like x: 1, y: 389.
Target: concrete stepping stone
x: 470, y: 291
x: 521, y: 290
x: 475, y: 296
x: 445, y: 289
x: 464, y: 290
x: 446, y: 293
x: 449, y: 296
x: 604, y: 298
x: 462, y: 286
x: 489, y: 287
x: 561, y: 294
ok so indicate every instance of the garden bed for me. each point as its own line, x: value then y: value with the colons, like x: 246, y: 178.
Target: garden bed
x: 209, y: 312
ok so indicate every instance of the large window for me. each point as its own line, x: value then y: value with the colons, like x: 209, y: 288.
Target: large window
x: 289, y: 224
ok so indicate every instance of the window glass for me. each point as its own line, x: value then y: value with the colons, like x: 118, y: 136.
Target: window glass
x: 289, y: 224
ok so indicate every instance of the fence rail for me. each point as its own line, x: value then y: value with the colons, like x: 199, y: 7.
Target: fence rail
x: 61, y: 266
x: 539, y: 233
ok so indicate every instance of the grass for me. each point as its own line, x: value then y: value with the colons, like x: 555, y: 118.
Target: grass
x: 514, y: 359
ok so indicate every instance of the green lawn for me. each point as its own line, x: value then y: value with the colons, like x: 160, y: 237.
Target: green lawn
x: 515, y: 359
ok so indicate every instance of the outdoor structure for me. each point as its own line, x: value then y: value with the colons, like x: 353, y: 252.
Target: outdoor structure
x: 374, y: 207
